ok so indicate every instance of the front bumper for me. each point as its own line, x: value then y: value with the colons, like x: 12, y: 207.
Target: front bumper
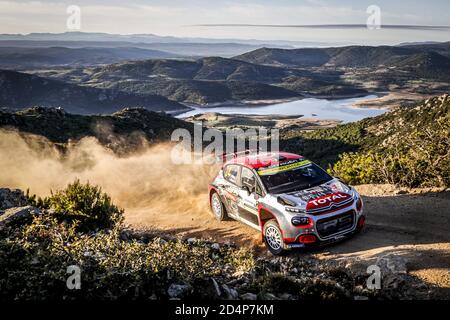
x: 326, y: 228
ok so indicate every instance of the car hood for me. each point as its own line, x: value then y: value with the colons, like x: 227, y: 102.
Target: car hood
x: 332, y: 194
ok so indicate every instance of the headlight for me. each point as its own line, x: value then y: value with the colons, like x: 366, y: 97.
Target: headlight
x: 300, y: 221
x: 359, y: 204
x: 285, y: 202
x: 340, y: 186
x: 294, y: 210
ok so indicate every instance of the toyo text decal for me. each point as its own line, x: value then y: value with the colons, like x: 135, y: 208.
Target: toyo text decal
x: 328, y: 202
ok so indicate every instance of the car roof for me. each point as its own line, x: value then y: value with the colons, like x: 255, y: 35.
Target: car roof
x: 264, y: 159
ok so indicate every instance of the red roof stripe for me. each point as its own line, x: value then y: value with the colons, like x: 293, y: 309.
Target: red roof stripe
x: 256, y: 161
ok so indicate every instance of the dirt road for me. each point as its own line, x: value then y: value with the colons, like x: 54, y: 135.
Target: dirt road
x: 414, y: 225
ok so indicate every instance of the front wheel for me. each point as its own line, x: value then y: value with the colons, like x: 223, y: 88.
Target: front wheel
x: 273, y: 238
x: 217, y: 207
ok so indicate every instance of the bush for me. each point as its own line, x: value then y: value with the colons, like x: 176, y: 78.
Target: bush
x: 86, y: 206
x: 34, y: 260
x: 423, y: 159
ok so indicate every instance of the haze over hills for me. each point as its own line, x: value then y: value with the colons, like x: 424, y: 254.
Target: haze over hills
x: 20, y: 90
x: 174, y: 45
x: 18, y: 58
x: 150, y: 38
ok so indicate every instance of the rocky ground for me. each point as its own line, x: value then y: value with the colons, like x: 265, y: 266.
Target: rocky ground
x: 408, y: 226
x: 304, y: 275
x: 229, y: 121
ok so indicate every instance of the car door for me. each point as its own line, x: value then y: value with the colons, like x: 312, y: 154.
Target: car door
x: 231, y: 189
x: 248, y: 198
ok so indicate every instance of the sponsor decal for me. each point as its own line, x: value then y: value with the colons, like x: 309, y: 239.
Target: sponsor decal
x: 283, y: 167
x: 328, y: 201
x: 313, y: 193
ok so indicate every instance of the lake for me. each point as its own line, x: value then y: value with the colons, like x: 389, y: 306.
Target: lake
x: 338, y: 109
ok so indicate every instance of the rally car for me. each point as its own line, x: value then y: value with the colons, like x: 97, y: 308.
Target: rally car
x: 289, y: 199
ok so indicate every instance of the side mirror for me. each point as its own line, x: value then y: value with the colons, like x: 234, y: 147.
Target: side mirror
x: 246, y: 189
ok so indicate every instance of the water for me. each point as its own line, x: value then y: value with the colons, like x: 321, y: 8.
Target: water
x: 339, y: 109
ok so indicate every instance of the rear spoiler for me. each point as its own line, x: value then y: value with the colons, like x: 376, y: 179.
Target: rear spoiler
x: 228, y: 156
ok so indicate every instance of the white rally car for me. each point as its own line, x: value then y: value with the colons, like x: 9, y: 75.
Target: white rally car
x: 289, y: 199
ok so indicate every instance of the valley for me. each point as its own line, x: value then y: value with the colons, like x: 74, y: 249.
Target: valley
x: 96, y: 112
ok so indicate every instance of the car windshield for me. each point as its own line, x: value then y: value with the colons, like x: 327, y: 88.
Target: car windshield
x: 292, y: 176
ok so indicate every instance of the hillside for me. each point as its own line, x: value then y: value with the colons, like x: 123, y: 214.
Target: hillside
x: 442, y: 48
x: 351, y: 56
x: 429, y: 65
x: 287, y: 57
x: 202, y: 81
x: 211, y: 68
x: 20, y: 90
x: 200, y: 91
x: 428, y: 61
x: 409, y: 146
x: 20, y: 58
x: 121, y: 131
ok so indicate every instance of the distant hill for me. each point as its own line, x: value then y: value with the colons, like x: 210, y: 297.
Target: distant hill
x: 19, y: 58
x: 430, y: 65
x: 427, y: 60
x: 20, y: 90
x: 442, y: 48
x: 202, y: 81
x: 364, y: 56
x: 352, y: 56
x: 211, y: 68
x: 148, y: 38
x: 315, y: 87
x: 308, y: 57
x: 202, y: 91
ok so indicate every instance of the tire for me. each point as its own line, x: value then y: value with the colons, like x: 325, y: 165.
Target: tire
x: 217, y: 207
x: 273, y: 237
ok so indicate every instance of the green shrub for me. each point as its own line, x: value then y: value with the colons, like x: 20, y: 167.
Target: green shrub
x: 86, y: 206
x: 422, y: 159
x: 34, y: 260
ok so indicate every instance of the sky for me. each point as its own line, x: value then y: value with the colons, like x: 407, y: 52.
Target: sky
x: 184, y: 18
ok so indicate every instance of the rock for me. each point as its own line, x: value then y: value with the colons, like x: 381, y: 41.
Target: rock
x: 360, y: 298
x: 392, y: 264
x: 248, y: 296
x: 215, y: 246
x: 124, y: 236
x: 178, y: 290
x: 392, y: 281
x: 191, y: 240
x: 270, y: 296
x: 11, y: 198
x: 286, y: 296
x: 206, y: 288
x: 216, y: 287
x: 17, y: 214
x: 230, y: 293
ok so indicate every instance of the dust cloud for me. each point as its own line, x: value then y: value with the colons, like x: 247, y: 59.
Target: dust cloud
x: 146, y: 184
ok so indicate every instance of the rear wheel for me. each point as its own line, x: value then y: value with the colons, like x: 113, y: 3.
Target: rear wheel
x: 217, y: 207
x: 273, y: 238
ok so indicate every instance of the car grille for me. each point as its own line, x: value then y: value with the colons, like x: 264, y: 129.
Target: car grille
x: 336, y: 224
